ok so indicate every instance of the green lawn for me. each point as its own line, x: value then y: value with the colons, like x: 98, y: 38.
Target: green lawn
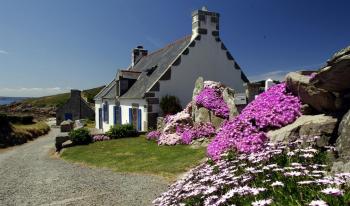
x: 137, y: 155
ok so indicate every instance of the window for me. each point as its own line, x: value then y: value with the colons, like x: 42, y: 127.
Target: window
x: 105, y: 112
x: 117, y: 115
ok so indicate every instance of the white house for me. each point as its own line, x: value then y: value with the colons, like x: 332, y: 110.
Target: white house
x: 133, y: 96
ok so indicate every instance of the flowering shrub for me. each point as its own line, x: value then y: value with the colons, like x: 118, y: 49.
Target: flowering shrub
x: 272, y: 109
x: 169, y: 139
x: 197, y: 131
x: 174, y: 126
x: 278, y: 175
x: 153, y: 135
x: 211, y: 99
x: 97, y: 138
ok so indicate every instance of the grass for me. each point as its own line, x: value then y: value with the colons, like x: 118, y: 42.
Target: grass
x: 30, y: 131
x: 16, y: 134
x: 137, y: 155
x: 60, y: 99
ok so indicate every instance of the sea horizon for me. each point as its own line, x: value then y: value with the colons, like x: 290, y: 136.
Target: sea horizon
x: 9, y: 100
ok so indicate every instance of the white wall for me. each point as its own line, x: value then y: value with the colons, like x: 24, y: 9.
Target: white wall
x: 206, y: 59
x: 99, y: 104
x: 126, y: 104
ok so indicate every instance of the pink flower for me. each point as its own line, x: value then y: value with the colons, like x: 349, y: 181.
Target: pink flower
x: 211, y: 99
x: 262, y: 202
x: 333, y: 191
x: 318, y: 203
x: 274, y: 108
x: 153, y: 135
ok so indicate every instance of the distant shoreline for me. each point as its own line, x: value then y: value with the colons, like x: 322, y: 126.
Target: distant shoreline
x: 9, y: 100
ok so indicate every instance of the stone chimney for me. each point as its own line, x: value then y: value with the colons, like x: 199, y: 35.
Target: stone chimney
x: 137, y: 54
x: 205, y: 22
x: 74, y: 93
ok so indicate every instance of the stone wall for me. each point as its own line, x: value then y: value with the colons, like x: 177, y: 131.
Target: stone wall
x: 77, y: 107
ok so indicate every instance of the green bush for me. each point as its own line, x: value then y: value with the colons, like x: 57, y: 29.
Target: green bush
x: 80, y: 136
x: 120, y: 131
x: 170, y: 105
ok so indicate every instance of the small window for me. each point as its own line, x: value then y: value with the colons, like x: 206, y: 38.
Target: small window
x: 151, y: 70
x: 105, y: 112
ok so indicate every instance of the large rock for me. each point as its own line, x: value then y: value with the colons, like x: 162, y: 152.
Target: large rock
x: 204, y: 115
x: 201, y: 114
x: 229, y: 97
x: 160, y: 123
x: 343, y: 141
x: 198, y: 86
x: 336, y: 75
x: 338, y: 55
x: 60, y: 139
x: 320, y: 99
x: 306, y: 126
x: 67, y: 125
x: 215, y: 120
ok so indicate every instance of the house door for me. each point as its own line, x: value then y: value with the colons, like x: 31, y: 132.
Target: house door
x: 100, y: 120
x: 135, y: 118
x: 68, y: 116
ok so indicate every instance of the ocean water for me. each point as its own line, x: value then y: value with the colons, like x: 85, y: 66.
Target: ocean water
x: 6, y: 101
x: 9, y: 100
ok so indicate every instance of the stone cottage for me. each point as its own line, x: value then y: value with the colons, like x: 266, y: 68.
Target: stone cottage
x: 75, y: 108
x: 133, y: 96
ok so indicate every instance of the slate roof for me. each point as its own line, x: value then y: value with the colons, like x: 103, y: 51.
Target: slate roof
x: 159, y: 61
x: 109, y: 92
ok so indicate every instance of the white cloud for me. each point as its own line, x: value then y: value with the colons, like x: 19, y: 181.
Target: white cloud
x: 281, y: 74
x: 3, y: 51
x: 275, y: 75
x: 32, y: 91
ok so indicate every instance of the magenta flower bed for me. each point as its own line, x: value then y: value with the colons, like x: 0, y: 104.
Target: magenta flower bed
x: 272, y: 109
x: 211, y: 99
x: 97, y: 138
x: 197, y: 131
x: 153, y: 135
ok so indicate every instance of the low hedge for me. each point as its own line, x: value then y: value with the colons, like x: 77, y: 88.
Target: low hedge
x: 80, y: 136
x: 120, y: 131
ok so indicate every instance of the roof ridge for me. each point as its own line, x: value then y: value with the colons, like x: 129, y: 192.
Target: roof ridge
x: 170, y: 44
x: 130, y: 71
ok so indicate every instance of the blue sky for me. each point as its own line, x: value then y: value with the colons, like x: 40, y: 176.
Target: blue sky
x: 50, y: 46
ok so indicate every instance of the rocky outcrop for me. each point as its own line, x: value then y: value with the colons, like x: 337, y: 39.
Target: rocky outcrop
x: 336, y: 75
x: 320, y: 99
x: 307, y: 109
x: 67, y: 125
x: 204, y: 115
x: 343, y: 141
x: 201, y: 114
x: 198, y: 86
x: 229, y: 97
x: 160, y: 123
x: 306, y: 126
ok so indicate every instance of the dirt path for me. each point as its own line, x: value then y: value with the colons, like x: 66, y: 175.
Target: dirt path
x: 28, y: 176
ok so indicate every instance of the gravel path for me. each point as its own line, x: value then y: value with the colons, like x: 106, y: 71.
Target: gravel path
x: 29, y: 176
